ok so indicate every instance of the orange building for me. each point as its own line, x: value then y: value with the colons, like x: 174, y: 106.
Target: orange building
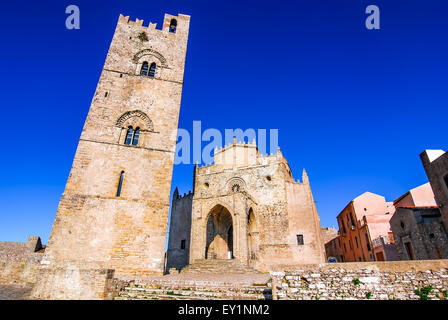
x: 364, y: 226
x: 364, y: 230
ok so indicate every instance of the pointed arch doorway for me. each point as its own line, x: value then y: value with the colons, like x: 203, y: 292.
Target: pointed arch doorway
x: 219, y: 234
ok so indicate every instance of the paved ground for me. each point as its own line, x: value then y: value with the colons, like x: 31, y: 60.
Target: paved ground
x: 15, y: 292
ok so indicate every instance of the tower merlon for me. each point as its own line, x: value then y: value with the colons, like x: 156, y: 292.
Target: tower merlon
x: 182, y: 22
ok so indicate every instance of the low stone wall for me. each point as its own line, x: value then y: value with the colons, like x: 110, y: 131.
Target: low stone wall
x: 19, y: 262
x: 393, y: 280
x: 74, y: 282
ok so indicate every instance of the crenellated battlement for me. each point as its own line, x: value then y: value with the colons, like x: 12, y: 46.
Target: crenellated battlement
x: 239, y: 154
x: 235, y: 143
x: 180, y: 18
x: 177, y: 196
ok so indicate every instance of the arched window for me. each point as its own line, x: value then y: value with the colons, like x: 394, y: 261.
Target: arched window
x: 173, y: 25
x: 120, y: 183
x: 152, y: 70
x: 145, y: 69
x: 129, y: 135
x: 136, y: 136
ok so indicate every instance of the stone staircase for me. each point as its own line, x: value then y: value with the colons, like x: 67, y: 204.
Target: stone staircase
x: 203, y: 280
x: 179, y: 291
x: 217, y: 267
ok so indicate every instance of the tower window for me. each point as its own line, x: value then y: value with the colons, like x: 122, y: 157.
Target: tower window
x: 106, y: 94
x: 300, y: 239
x: 145, y: 69
x: 132, y: 136
x: 182, y: 244
x: 129, y: 136
x: 173, y: 26
x: 152, y: 70
x: 136, y: 136
x: 120, y: 183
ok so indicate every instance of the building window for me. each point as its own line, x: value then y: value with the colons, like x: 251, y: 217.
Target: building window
x: 129, y: 136
x: 343, y: 226
x: 145, y: 68
x: 356, y: 240
x: 350, y: 243
x: 368, y: 242
x: 352, y: 221
x: 182, y: 244
x: 173, y: 26
x: 345, y: 248
x: 136, y: 136
x: 132, y: 136
x: 300, y: 239
x: 152, y: 70
x: 120, y: 183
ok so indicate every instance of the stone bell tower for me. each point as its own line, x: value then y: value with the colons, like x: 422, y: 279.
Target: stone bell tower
x: 113, y: 213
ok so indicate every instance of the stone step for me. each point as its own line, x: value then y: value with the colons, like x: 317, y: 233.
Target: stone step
x: 218, y: 266
x: 244, y: 289
x: 208, y: 293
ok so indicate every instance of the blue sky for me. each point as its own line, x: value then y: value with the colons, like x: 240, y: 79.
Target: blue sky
x: 355, y: 107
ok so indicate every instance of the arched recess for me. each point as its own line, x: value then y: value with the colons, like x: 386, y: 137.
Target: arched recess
x: 138, y: 121
x: 219, y: 234
x: 253, y: 236
x: 135, y: 118
x: 149, y: 56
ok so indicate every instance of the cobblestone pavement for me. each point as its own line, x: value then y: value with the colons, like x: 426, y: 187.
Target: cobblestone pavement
x: 14, y: 292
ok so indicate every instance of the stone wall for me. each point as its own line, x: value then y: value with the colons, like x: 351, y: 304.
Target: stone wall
x: 396, y: 280
x: 19, y: 261
x: 178, y: 253
x: 435, y: 163
x: 421, y: 231
x: 74, y: 282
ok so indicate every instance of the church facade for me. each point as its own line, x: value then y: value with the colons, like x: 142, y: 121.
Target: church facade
x: 248, y: 207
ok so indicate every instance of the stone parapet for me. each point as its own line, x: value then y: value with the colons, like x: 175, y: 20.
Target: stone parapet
x: 400, y: 280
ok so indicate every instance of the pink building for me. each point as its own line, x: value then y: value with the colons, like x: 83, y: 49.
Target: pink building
x: 422, y: 196
x: 364, y: 230
x: 365, y: 233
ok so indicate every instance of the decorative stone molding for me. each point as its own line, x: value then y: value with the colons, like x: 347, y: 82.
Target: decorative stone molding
x: 150, y: 52
x: 236, y: 185
x: 136, y: 113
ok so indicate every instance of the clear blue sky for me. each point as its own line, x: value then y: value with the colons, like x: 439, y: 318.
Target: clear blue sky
x: 354, y: 107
